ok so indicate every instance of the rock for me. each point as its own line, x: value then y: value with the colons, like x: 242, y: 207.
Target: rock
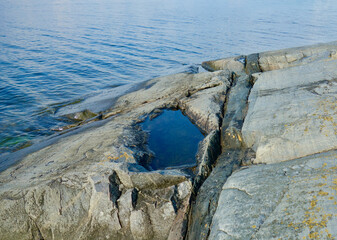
x: 205, y: 203
x: 292, y: 200
x: 235, y: 110
x: 291, y: 57
x: 93, y: 183
x: 141, y: 225
x: 80, y: 205
x: 292, y: 112
x: 81, y: 116
x: 252, y: 63
x: 204, y: 104
x: 235, y: 64
x: 208, y: 151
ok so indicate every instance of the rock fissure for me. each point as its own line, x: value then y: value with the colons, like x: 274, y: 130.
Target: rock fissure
x: 232, y: 148
x: 191, y: 92
x: 114, y: 191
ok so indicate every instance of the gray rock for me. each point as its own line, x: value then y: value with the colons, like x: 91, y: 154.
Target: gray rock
x: 204, y: 104
x: 252, y: 63
x: 235, y: 64
x: 81, y: 116
x: 141, y: 225
x: 235, y: 111
x: 291, y: 200
x: 292, y: 112
x: 93, y: 184
x: 208, y: 151
x: 291, y: 57
x: 205, y: 203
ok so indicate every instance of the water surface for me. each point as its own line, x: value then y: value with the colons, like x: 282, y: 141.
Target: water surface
x: 173, y: 139
x: 55, y: 52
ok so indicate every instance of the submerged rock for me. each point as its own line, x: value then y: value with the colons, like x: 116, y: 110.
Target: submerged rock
x: 81, y: 116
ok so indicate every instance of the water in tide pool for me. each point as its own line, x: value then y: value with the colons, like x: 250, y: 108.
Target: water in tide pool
x: 55, y: 53
x: 173, y: 139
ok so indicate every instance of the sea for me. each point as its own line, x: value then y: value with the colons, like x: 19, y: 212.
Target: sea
x: 56, y: 55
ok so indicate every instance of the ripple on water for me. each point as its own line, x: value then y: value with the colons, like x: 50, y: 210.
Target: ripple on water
x: 55, y: 51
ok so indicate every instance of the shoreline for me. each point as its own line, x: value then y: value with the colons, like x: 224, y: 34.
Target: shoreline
x: 269, y: 119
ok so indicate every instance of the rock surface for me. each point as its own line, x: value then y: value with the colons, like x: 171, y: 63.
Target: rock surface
x: 291, y: 57
x: 293, y: 112
x: 94, y: 182
x: 290, y: 200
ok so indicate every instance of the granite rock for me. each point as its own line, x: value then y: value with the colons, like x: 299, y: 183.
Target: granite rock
x: 285, y: 58
x: 292, y: 112
x: 288, y: 200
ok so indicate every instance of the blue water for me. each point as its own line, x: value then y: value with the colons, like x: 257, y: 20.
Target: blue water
x: 53, y: 52
x: 173, y: 139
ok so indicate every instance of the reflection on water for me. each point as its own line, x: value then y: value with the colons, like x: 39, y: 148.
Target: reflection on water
x: 55, y: 51
x: 173, y: 139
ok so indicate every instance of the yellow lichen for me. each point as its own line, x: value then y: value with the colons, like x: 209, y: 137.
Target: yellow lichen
x: 322, y: 193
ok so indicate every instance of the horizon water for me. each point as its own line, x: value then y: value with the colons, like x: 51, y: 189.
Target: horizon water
x: 57, y: 53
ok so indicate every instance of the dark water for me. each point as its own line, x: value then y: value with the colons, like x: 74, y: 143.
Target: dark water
x: 54, y: 52
x: 173, y: 139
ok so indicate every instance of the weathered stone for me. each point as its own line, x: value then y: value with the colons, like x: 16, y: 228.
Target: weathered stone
x: 291, y: 200
x: 235, y: 64
x: 235, y: 111
x: 208, y: 151
x: 292, y: 112
x: 204, y: 105
x: 94, y: 183
x: 205, y: 204
x: 291, y: 57
x: 252, y: 63
x: 141, y: 227
x: 233, y: 154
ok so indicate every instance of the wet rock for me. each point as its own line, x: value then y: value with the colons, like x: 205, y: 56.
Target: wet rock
x: 252, y: 63
x: 206, y: 201
x: 235, y: 109
x: 81, y: 116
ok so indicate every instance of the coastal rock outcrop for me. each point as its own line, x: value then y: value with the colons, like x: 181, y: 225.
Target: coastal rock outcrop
x: 96, y: 183
x: 266, y: 168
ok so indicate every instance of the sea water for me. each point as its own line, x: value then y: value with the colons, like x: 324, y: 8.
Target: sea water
x: 57, y: 54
